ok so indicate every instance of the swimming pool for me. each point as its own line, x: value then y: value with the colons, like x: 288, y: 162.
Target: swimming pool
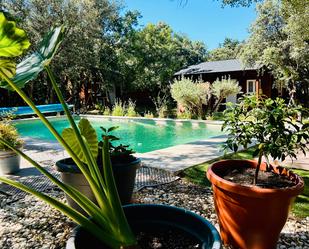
x: 143, y: 135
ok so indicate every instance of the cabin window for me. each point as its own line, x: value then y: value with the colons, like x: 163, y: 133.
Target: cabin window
x: 251, y: 86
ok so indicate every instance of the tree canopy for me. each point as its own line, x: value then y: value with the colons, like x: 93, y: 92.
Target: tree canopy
x: 229, y: 49
x: 104, y: 46
x: 279, y: 40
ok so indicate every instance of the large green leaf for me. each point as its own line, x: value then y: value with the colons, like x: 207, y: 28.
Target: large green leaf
x: 7, y: 67
x: 88, y: 133
x: 13, y: 41
x: 29, y: 68
x: 50, y: 43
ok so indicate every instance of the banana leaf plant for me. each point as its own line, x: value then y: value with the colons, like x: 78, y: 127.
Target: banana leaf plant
x: 108, y: 222
x: 269, y: 123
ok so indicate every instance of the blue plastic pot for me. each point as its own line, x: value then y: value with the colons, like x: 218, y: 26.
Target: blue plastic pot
x: 152, y: 217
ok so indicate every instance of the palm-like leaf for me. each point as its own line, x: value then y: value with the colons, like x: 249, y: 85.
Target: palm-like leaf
x: 29, y: 68
x: 13, y: 41
x: 88, y: 133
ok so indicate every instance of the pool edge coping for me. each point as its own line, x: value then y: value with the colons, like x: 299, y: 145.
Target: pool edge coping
x: 195, y: 152
x: 212, y: 122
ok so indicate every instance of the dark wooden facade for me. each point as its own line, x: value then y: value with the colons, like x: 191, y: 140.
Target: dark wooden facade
x: 263, y: 81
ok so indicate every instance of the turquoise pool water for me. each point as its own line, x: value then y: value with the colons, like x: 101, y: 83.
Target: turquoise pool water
x: 142, y: 135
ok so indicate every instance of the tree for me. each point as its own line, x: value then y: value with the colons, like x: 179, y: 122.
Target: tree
x: 89, y: 51
x: 191, y: 95
x: 223, y: 88
x: 239, y: 3
x: 228, y: 50
x: 279, y: 41
x: 104, y: 48
x: 156, y: 52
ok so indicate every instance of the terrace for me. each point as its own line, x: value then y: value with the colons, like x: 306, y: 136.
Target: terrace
x: 168, y: 176
x: 188, y: 148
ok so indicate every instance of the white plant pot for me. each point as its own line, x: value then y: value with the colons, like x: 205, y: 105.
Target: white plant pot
x: 9, y: 162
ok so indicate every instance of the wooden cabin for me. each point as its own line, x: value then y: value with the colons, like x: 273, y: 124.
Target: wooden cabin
x: 253, y: 80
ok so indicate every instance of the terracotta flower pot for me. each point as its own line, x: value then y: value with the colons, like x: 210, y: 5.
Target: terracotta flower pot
x: 251, y: 217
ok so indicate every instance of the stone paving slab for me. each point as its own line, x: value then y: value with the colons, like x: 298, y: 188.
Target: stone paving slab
x: 172, y: 159
x: 180, y: 157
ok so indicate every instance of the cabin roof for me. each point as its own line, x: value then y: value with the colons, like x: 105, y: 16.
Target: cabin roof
x: 216, y: 67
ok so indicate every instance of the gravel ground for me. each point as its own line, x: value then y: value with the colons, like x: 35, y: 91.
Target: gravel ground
x: 29, y: 223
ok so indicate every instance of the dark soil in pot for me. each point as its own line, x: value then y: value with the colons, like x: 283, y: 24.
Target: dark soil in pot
x: 266, y: 179
x: 161, y: 239
x: 168, y: 239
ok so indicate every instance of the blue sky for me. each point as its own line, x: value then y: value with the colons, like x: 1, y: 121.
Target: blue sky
x: 202, y: 20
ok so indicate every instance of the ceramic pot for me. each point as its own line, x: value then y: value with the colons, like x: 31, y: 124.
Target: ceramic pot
x: 9, y: 162
x: 251, y: 217
x: 124, y: 175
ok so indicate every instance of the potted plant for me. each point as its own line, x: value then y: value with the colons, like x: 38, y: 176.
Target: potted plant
x: 9, y: 160
x: 252, y: 198
x: 105, y: 219
x: 124, y: 165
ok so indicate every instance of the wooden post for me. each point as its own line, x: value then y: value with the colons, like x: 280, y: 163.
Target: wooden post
x: 257, y: 88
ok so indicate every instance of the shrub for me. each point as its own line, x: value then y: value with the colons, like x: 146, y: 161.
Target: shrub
x: 9, y: 133
x: 160, y: 103
x: 119, y: 108
x: 131, y: 109
x: 271, y: 124
x: 107, y: 111
x: 217, y: 116
x: 223, y: 88
x: 148, y: 114
x: 191, y: 95
x: 184, y: 115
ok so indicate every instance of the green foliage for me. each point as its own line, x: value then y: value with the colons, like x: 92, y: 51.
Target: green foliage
x: 13, y: 42
x: 130, y: 112
x: 104, y: 45
x: 89, y: 135
x: 108, y: 222
x: 120, y: 153
x: 239, y: 3
x: 185, y: 115
x: 301, y: 205
x: 30, y: 67
x: 148, y: 114
x: 89, y: 52
x: 107, y: 111
x: 217, y: 116
x: 12, y: 39
x: 269, y: 123
x: 223, y: 88
x: 191, y: 95
x: 279, y: 42
x: 160, y: 102
x: 156, y: 52
x: 9, y: 133
x: 119, y: 108
x: 226, y: 51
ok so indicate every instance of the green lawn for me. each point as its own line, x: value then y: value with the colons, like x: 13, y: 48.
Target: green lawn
x: 197, y: 174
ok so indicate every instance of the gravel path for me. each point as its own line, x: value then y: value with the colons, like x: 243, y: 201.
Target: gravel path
x: 29, y: 223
